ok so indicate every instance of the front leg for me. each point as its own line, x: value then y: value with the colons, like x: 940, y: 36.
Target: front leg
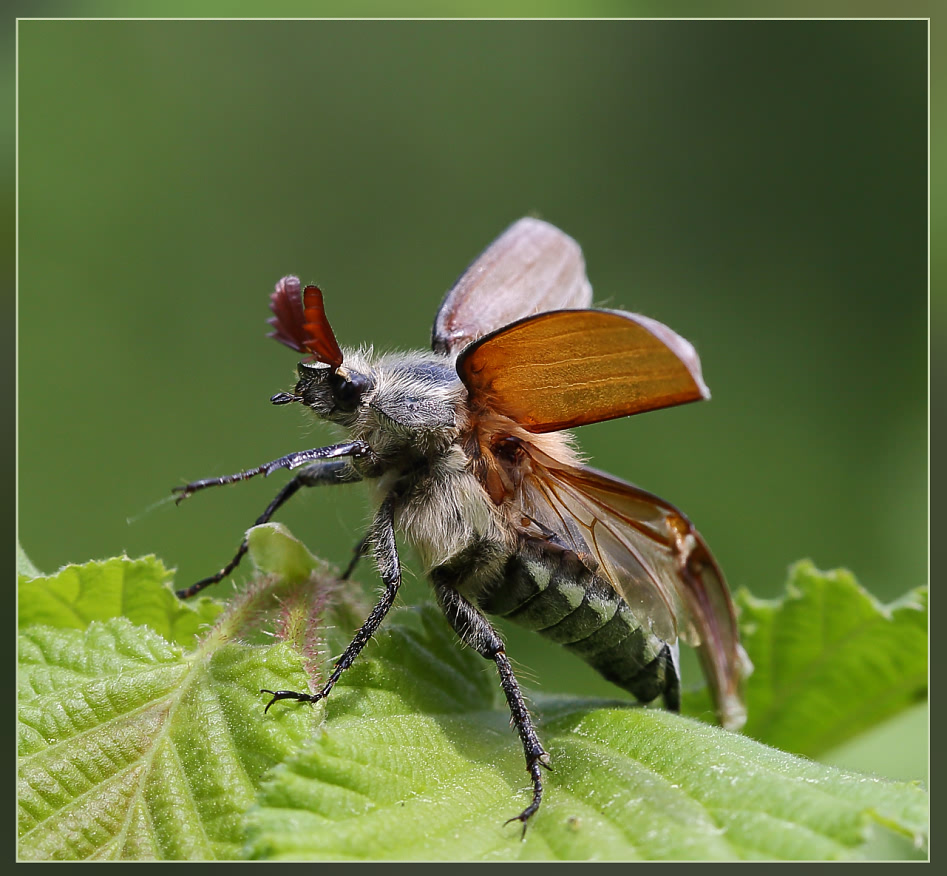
x: 327, y: 471
x: 353, y: 449
x: 382, y: 538
x: 477, y: 632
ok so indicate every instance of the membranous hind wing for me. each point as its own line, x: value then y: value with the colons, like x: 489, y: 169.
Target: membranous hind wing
x: 562, y: 369
x: 653, y: 556
x: 531, y: 268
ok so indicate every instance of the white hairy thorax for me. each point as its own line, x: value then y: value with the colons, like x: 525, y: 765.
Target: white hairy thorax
x: 417, y: 421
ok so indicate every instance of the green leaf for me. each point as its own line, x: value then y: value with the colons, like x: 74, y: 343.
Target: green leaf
x: 136, y: 589
x: 896, y: 749
x: 135, y: 746
x: 830, y: 660
x: 275, y: 550
x: 131, y: 748
x: 417, y: 761
x: 24, y: 566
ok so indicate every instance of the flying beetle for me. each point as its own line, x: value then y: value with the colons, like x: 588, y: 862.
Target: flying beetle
x: 465, y: 453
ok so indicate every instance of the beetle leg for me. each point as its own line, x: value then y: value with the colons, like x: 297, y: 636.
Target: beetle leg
x: 382, y: 538
x: 327, y: 471
x: 356, y: 449
x: 357, y: 553
x: 477, y: 632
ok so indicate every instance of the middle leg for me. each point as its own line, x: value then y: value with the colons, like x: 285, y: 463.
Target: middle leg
x: 382, y: 538
x: 477, y: 632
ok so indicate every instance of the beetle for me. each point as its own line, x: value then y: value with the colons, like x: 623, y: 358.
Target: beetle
x: 466, y: 452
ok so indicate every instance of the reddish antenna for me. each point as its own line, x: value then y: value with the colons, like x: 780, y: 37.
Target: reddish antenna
x: 299, y: 321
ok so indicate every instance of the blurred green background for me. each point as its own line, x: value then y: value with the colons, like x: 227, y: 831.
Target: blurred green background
x: 761, y: 187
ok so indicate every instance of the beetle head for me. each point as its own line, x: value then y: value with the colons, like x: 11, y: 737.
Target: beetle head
x: 326, y: 385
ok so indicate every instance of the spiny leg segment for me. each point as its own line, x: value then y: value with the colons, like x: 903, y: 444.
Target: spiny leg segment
x: 477, y: 632
x: 355, y: 449
x: 382, y: 539
x: 330, y: 467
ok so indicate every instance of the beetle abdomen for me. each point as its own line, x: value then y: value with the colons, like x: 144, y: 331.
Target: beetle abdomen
x: 551, y: 591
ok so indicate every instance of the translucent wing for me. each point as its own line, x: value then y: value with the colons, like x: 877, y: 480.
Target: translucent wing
x: 652, y: 555
x: 571, y: 367
x: 531, y: 268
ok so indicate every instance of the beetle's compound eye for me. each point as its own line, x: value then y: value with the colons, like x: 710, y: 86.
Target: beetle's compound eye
x: 348, y: 390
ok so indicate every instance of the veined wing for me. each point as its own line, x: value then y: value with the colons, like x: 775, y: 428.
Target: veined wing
x: 653, y: 556
x: 568, y: 368
x: 531, y: 268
